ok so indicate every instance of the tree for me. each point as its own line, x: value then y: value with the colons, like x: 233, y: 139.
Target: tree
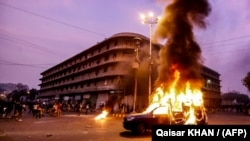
x: 17, y: 94
x: 241, y: 98
x: 21, y: 86
x: 33, y: 93
x: 2, y: 90
x: 246, y: 81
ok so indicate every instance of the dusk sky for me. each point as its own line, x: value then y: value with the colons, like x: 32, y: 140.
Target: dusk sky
x: 38, y: 34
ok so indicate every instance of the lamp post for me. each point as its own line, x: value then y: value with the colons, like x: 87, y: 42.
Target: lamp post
x: 150, y: 19
x: 137, y: 42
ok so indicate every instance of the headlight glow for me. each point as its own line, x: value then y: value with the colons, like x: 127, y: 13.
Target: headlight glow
x: 130, y: 118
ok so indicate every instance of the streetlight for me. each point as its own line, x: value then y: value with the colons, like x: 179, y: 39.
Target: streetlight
x: 150, y: 19
x: 136, y: 64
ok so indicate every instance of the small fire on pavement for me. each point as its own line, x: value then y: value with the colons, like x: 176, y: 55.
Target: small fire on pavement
x: 102, y: 115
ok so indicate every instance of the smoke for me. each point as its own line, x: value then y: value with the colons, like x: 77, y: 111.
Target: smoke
x: 181, y: 51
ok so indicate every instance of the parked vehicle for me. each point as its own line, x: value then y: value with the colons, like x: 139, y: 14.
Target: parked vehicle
x: 141, y: 122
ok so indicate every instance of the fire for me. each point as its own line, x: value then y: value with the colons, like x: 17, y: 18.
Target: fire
x: 187, y: 101
x: 179, y: 82
x: 102, y: 115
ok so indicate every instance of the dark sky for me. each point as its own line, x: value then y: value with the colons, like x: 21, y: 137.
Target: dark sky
x: 36, y: 35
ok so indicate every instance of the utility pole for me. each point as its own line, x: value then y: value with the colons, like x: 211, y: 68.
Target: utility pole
x: 136, y: 64
x: 150, y: 20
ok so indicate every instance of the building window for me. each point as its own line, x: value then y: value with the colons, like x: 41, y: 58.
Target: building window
x: 106, y: 57
x: 105, y: 69
x: 107, y: 46
x: 126, y: 43
x: 88, y: 84
x: 96, y: 72
x: 98, y: 61
x: 115, y: 43
x: 114, y: 55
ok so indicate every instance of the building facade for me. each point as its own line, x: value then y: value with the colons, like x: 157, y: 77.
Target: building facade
x: 105, y: 74
x: 211, y: 89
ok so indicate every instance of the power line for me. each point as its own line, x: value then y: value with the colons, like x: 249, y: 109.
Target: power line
x: 100, y: 34
x: 226, y: 44
x: 28, y: 44
x: 242, y: 46
x: 19, y: 64
x: 226, y: 40
x: 54, y: 20
x: 67, y: 24
x: 228, y: 51
x: 4, y: 61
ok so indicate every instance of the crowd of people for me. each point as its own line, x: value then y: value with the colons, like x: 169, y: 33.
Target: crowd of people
x: 14, y: 110
x: 9, y: 109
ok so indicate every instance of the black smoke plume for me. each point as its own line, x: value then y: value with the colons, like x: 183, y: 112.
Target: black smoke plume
x: 181, y: 51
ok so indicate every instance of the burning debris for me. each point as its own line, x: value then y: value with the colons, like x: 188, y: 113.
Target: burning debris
x: 102, y: 115
x: 179, y: 82
x: 107, y: 108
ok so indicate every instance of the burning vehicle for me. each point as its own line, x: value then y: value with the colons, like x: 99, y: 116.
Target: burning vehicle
x: 177, y: 98
x: 170, y: 109
x: 141, y: 122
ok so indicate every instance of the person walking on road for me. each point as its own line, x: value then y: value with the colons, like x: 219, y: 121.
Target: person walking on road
x: 79, y: 108
x: 87, y: 109
x: 59, y: 109
x: 18, y: 111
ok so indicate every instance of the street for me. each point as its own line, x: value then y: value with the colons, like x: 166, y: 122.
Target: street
x: 85, y: 128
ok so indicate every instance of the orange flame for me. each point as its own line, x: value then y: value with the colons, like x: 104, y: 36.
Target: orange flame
x: 189, y: 98
x: 101, y: 115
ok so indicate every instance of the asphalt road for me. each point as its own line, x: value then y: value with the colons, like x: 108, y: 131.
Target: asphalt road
x: 71, y: 127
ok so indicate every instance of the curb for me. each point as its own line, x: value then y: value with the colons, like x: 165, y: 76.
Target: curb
x: 119, y: 115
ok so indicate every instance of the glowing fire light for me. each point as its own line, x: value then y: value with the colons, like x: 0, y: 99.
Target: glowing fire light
x: 185, y: 101
x: 102, y: 115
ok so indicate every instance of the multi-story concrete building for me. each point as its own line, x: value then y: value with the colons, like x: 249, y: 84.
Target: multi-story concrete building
x: 211, y: 89
x: 106, y: 72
